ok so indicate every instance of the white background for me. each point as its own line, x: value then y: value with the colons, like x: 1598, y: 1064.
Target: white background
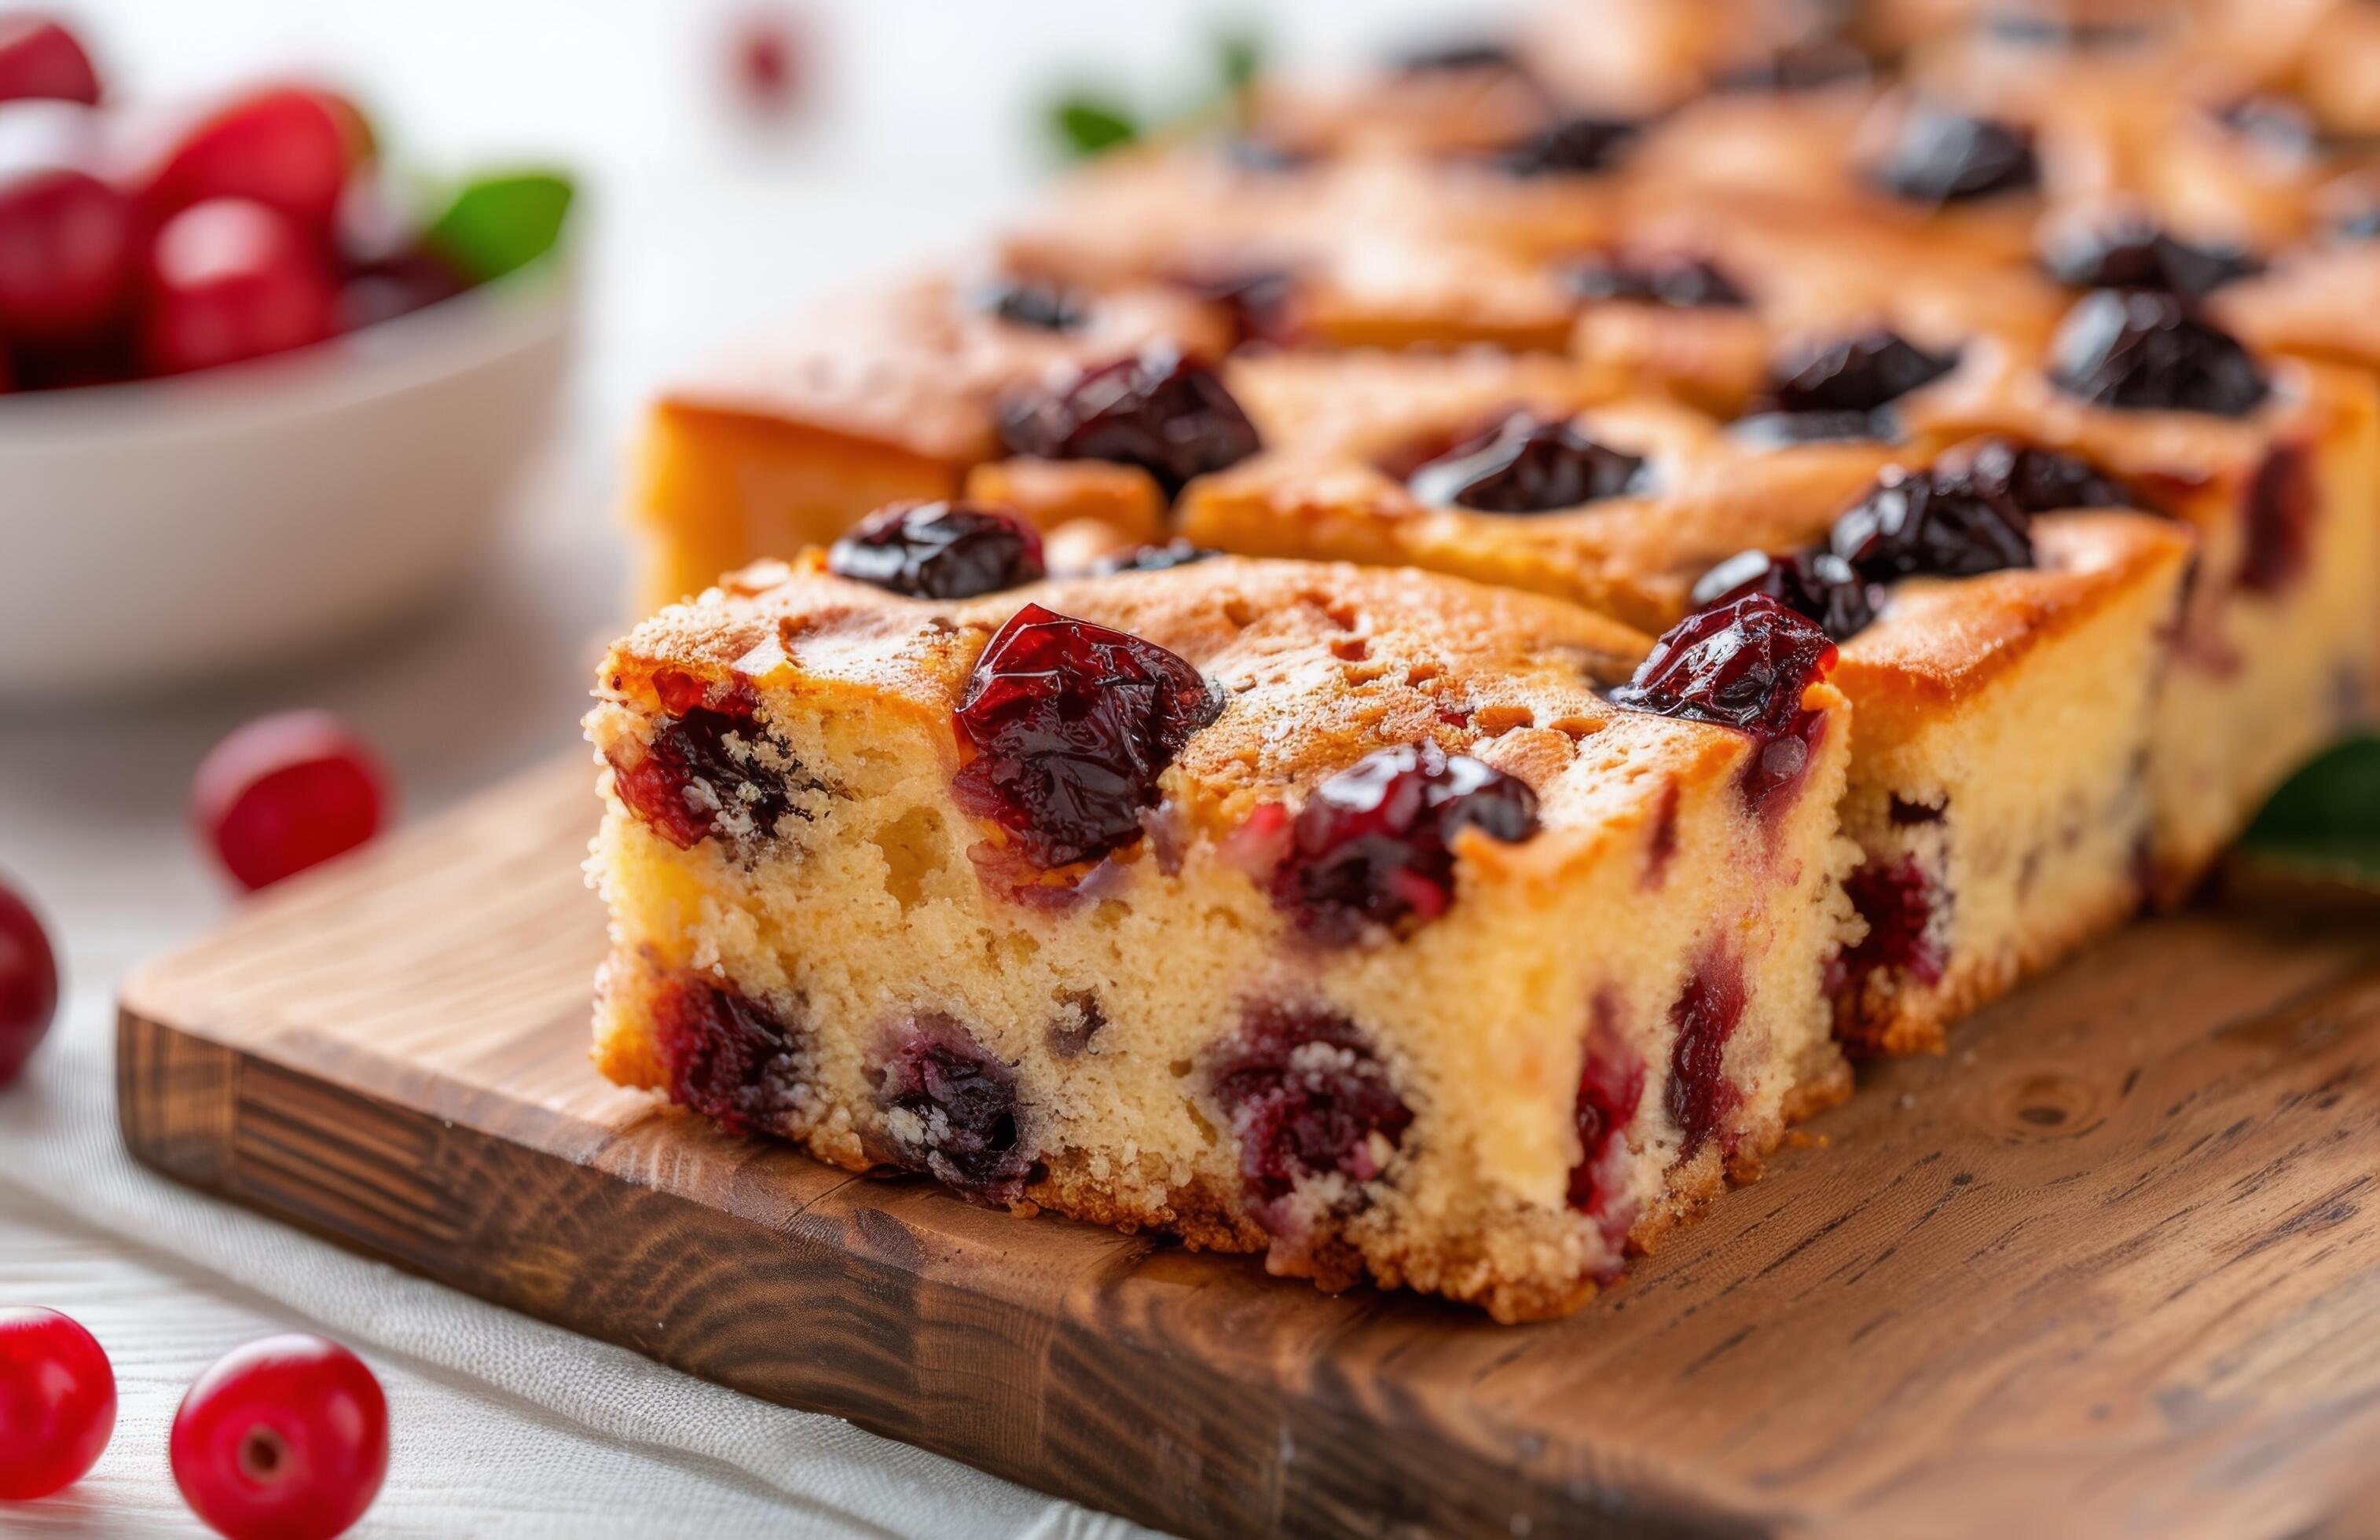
x: 922, y: 131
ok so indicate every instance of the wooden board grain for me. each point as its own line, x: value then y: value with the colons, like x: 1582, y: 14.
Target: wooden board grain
x: 2110, y: 1267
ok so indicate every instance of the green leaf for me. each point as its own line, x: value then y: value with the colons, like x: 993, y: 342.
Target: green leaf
x: 2326, y: 821
x: 495, y: 225
x: 1090, y: 125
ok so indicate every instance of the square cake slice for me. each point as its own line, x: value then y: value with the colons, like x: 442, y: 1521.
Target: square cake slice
x: 1984, y: 619
x: 1372, y: 920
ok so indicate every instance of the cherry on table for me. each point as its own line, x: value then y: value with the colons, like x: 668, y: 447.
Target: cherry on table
x: 29, y: 984
x: 285, y: 1439
x: 38, y: 58
x: 231, y: 279
x: 69, y: 240
x: 285, y: 793
x: 57, y: 1402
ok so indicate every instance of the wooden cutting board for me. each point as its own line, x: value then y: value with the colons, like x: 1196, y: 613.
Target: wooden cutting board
x: 2112, y: 1266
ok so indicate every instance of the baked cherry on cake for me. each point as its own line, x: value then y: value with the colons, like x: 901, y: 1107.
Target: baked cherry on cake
x: 898, y: 394
x: 1980, y: 622
x: 1380, y: 923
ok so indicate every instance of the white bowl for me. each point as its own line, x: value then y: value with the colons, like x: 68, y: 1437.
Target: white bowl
x: 156, y: 532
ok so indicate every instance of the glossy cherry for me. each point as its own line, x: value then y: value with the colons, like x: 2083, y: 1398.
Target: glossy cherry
x: 1943, y: 156
x: 940, y: 549
x: 1527, y: 463
x: 1682, y: 283
x: 1742, y: 664
x: 69, y: 240
x: 1911, y: 523
x: 285, y: 793
x: 2144, y: 351
x: 2134, y: 253
x: 1157, y: 410
x: 1818, y: 584
x: 57, y: 1402
x: 230, y: 280
x: 1852, y: 374
x: 29, y: 984
x: 1038, y: 304
x: 1373, y: 845
x: 1072, y: 724
x: 289, y: 148
x: 39, y: 58
x: 285, y: 1439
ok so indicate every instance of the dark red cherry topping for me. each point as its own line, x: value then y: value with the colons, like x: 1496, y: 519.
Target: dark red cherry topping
x: 711, y: 769
x: 2280, y: 503
x: 1374, y: 844
x: 940, y: 549
x: 1073, y: 725
x: 1700, y: 1095
x: 1261, y: 302
x: 1576, y: 146
x: 1911, y: 524
x: 2037, y: 480
x: 1852, y: 374
x: 1684, y: 282
x: 2144, y: 351
x: 1818, y: 584
x: 1041, y: 304
x: 1527, y: 463
x: 1942, y: 156
x: 963, y: 1101
x: 1157, y: 410
x: 731, y: 1058
x: 1306, y: 1098
x: 1742, y: 664
x: 1175, y: 553
x: 2134, y: 253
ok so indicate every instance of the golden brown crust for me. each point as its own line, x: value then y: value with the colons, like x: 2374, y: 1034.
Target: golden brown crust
x: 918, y: 367
x: 1941, y: 643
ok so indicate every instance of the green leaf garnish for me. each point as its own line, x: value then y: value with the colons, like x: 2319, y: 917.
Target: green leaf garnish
x: 2326, y: 821
x: 1090, y: 126
x: 498, y: 224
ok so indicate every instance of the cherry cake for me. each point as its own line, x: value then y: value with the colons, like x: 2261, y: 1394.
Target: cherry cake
x: 1379, y: 922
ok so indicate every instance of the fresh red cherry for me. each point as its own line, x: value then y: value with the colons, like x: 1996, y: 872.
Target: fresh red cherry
x: 285, y: 793
x: 29, y: 984
x: 57, y: 1402
x: 41, y: 58
x: 70, y: 241
x: 288, y: 148
x: 230, y: 279
x: 285, y: 1439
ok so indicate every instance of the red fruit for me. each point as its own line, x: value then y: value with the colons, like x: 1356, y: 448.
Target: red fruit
x: 29, y: 984
x: 70, y: 241
x: 41, y: 58
x: 230, y: 279
x: 57, y: 1402
x: 285, y: 793
x: 287, y: 148
x: 285, y: 1439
